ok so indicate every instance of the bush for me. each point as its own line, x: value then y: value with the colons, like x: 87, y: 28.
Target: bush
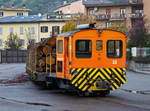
x: 121, y: 27
x: 13, y: 42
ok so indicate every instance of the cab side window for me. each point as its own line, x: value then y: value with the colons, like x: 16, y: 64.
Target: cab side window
x: 114, y: 48
x: 83, y: 48
x: 60, y: 46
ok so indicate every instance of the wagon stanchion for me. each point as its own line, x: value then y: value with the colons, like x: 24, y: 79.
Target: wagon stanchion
x: 50, y: 55
x: 50, y: 62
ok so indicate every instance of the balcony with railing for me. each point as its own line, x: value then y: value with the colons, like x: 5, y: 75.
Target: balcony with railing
x: 136, y: 15
x: 136, y: 2
x: 114, y: 17
x: 120, y: 17
x: 101, y: 17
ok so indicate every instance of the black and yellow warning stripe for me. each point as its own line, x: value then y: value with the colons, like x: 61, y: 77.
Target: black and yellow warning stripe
x: 85, y: 78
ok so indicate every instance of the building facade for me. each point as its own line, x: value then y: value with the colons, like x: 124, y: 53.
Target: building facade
x: 29, y: 28
x: 4, y: 12
x: 108, y: 13
x: 72, y: 8
x: 147, y: 11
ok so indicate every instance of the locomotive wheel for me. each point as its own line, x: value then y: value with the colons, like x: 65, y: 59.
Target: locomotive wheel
x: 83, y: 94
x: 104, y: 93
x: 33, y: 77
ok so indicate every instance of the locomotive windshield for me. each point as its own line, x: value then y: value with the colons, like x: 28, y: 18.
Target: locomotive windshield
x: 114, y: 48
x: 83, y: 48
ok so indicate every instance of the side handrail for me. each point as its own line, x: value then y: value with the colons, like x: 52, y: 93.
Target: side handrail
x: 49, y: 54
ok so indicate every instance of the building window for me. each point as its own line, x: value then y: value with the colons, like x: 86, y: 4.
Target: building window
x: 22, y: 42
x: 21, y: 30
x: 44, y: 29
x: 32, y: 41
x: 1, y: 31
x: 122, y: 12
x: 42, y: 39
x: 99, y: 45
x: 108, y: 13
x: 60, y: 46
x: 32, y: 30
x: 139, y: 13
x: 1, y: 43
x: 55, y: 30
x: 1, y: 14
x: 20, y: 14
x: 11, y: 30
x: 108, y: 24
x: 83, y: 48
x: 114, y: 48
x: 92, y: 12
x: 68, y: 11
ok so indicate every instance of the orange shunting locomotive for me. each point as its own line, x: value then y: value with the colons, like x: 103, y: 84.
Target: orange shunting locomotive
x: 89, y: 60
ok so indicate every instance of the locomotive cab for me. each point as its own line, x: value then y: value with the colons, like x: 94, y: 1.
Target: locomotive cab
x: 92, y: 60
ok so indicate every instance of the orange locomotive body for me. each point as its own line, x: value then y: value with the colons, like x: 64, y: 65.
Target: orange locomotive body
x: 90, y: 60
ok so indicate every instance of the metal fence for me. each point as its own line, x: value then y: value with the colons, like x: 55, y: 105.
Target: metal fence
x: 140, y: 52
x: 143, y: 52
x: 13, y: 56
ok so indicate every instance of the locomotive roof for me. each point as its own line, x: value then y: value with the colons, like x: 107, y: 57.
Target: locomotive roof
x: 66, y: 34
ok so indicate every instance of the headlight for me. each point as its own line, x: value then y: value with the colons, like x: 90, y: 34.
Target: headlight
x: 124, y: 72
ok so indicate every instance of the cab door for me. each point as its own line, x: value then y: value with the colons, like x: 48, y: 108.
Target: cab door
x: 60, y: 57
x: 66, y: 57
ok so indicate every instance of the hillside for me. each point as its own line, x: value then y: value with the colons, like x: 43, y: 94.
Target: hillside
x: 37, y: 6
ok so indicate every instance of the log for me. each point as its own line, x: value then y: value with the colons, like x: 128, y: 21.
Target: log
x: 52, y: 42
x: 40, y: 69
x: 39, y: 53
x: 36, y: 55
x: 52, y: 60
x: 49, y: 41
x: 41, y: 62
x: 47, y: 49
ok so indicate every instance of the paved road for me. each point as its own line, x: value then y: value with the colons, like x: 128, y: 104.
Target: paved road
x: 29, y: 97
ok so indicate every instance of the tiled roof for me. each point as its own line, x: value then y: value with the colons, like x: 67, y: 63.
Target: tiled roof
x: 15, y: 19
x: 27, y: 19
x: 15, y: 9
x: 104, y: 2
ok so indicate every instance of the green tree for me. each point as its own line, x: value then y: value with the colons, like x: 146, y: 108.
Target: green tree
x: 138, y: 34
x: 77, y: 20
x: 84, y: 19
x: 13, y: 42
x: 28, y: 35
x: 69, y: 26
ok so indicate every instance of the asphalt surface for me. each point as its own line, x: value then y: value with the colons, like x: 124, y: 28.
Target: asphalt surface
x: 133, y: 96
